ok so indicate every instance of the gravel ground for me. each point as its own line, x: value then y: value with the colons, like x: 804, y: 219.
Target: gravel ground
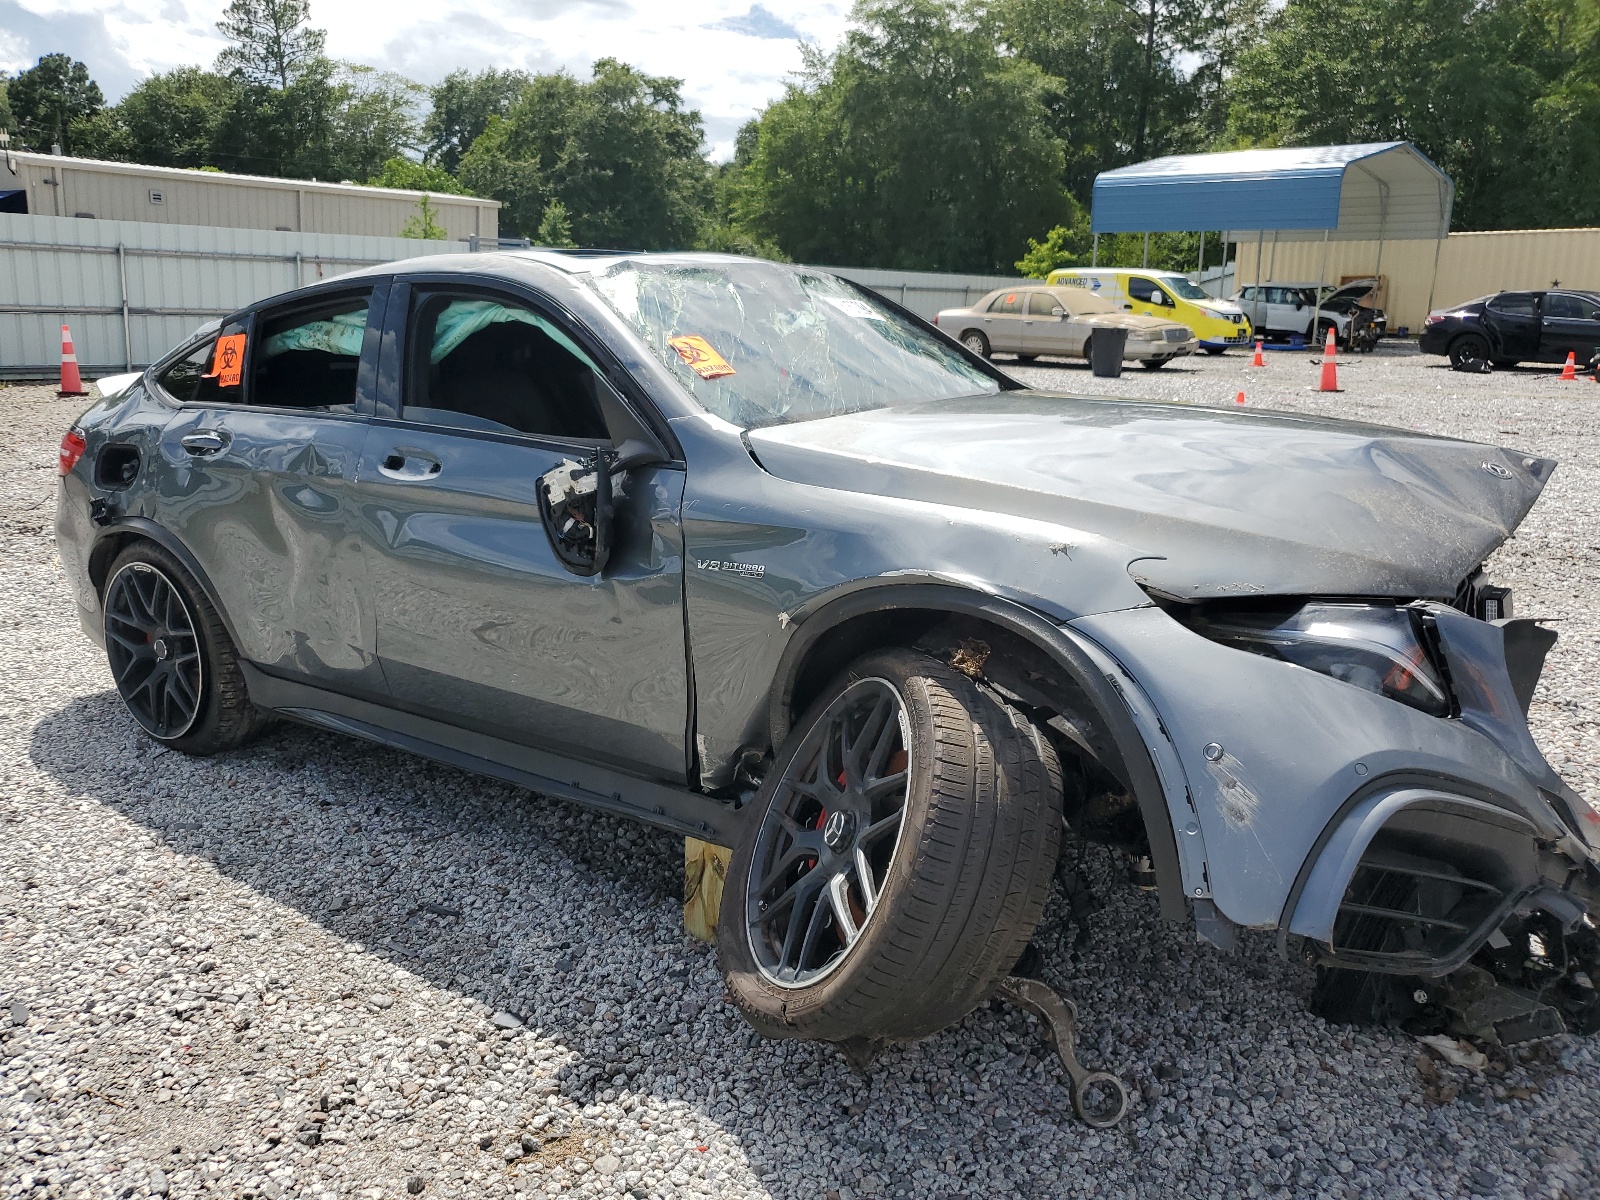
x: 288, y: 971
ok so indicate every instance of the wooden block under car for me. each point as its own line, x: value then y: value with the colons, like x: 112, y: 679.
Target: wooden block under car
x: 704, y: 868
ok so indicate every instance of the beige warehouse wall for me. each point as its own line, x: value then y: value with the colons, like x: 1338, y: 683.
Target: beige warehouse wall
x: 1470, y: 265
x: 65, y: 187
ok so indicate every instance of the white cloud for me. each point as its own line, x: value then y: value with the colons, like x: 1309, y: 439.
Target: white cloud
x: 733, y: 55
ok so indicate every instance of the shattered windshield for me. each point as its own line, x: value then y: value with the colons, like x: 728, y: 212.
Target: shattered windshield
x: 762, y: 344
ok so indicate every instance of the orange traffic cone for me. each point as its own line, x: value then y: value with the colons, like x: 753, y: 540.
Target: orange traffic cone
x: 1330, y: 368
x: 71, y: 381
x: 1258, y: 361
x: 1239, y: 399
x: 1570, y: 371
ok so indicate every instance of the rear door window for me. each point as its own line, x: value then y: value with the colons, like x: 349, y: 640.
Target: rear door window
x: 307, y: 357
x: 490, y: 363
x: 1007, y: 302
x: 211, y: 372
x: 1513, y: 304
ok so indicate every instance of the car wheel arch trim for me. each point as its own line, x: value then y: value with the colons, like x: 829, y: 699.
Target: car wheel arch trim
x: 1069, y: 649
x: 126, y: 530
x: 1351, y: 828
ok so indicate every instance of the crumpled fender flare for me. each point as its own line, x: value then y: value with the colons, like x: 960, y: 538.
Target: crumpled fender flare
x: 814, y: 622
x: 147, y: 529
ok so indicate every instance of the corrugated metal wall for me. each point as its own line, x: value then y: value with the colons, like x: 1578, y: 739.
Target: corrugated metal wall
x: 1470, y: 265
x: 925, y: 292
x: 61, y: 270
x: 64, y: 187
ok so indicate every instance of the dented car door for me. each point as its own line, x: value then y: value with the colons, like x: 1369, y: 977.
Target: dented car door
x: 479, y: 622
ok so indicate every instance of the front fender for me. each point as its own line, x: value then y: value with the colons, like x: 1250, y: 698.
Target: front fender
x: 1271, y: 753
x: 1150, y: 768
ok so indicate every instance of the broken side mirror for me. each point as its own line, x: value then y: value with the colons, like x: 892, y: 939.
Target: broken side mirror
x: 577, y: 504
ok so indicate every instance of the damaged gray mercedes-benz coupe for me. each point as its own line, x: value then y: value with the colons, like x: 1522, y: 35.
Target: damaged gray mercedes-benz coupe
x: 749, y: 552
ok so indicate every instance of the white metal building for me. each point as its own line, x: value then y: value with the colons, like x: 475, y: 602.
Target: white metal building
x: 56, y: 186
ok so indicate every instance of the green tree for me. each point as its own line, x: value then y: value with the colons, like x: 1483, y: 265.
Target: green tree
x: 424, y: 226
x: 555, y: 227
x: 48, y: 97
x: 1129, y: 79
x: 377, y: 118
x: 289, y: 132
x: 1066, y: 245
x: 462, y: 105
x: 272, y: 42
x: 1460, y: 78
x: 412, y: 176
x: 620, y: 152
x: 917, y: 145
x: 172, y: 119
x: 7, y: 120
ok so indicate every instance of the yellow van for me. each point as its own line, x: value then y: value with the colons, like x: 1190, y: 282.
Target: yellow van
x: 1217, y: 323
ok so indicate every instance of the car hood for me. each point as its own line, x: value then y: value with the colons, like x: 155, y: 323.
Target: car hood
x: 1209, y: 502
x: 1219, y: 308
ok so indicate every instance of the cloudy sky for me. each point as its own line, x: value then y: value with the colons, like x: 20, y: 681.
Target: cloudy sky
x: 732, y: 55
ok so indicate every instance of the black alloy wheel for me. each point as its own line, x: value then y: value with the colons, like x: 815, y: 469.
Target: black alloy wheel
x: 824, y: 850
x: 1468, y: 346
x: 154, y: 650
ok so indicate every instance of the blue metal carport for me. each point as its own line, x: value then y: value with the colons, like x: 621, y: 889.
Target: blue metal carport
x: 1377, y: 191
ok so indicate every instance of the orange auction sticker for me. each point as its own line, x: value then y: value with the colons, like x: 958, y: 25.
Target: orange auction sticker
x: 227, y: 365
x: 702, y: 359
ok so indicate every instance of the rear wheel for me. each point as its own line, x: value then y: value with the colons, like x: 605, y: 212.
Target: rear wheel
x: 1468, y: 346
x: 173, y: 662
x: 976, y: 342
x: 898, y: 858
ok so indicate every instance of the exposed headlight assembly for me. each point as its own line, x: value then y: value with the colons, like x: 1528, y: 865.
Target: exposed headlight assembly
x: 1379, y: 647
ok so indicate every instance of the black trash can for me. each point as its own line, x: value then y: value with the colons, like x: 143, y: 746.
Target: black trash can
x: 1105, y: 352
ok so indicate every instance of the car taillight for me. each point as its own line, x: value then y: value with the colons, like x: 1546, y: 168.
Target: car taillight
x: 72, y: 448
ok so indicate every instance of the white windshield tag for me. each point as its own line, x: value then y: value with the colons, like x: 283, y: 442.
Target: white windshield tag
x: 850, y: 306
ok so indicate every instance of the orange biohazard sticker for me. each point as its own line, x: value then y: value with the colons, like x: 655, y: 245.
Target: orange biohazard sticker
x: 702, y: 359
x: 227, y: 364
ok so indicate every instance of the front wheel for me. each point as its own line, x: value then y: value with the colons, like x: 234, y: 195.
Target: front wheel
x: 976, y: 342
x: 173, y: 662
x: 1213, y: 350
x: 1153, y: 364
x: 898, y: 857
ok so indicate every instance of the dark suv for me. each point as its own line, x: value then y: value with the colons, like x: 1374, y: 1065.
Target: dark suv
x: 1512, y: 327
x: 753, y: 554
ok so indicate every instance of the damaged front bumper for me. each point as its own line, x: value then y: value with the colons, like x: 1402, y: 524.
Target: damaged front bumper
x: 1377, y: 838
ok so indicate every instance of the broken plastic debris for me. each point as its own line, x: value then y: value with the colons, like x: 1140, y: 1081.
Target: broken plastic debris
x: 1456, y: 1053
x: 702, y: 359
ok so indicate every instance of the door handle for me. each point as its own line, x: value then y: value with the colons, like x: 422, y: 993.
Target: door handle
x: 408, y: 467
x: 204, y: 442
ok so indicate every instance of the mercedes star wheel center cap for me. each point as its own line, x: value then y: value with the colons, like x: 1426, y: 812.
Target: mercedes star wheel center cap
x: 836, y: 833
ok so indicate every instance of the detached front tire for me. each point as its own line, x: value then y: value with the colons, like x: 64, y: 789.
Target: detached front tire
x: 897, y: 860
x: 174, y: 665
